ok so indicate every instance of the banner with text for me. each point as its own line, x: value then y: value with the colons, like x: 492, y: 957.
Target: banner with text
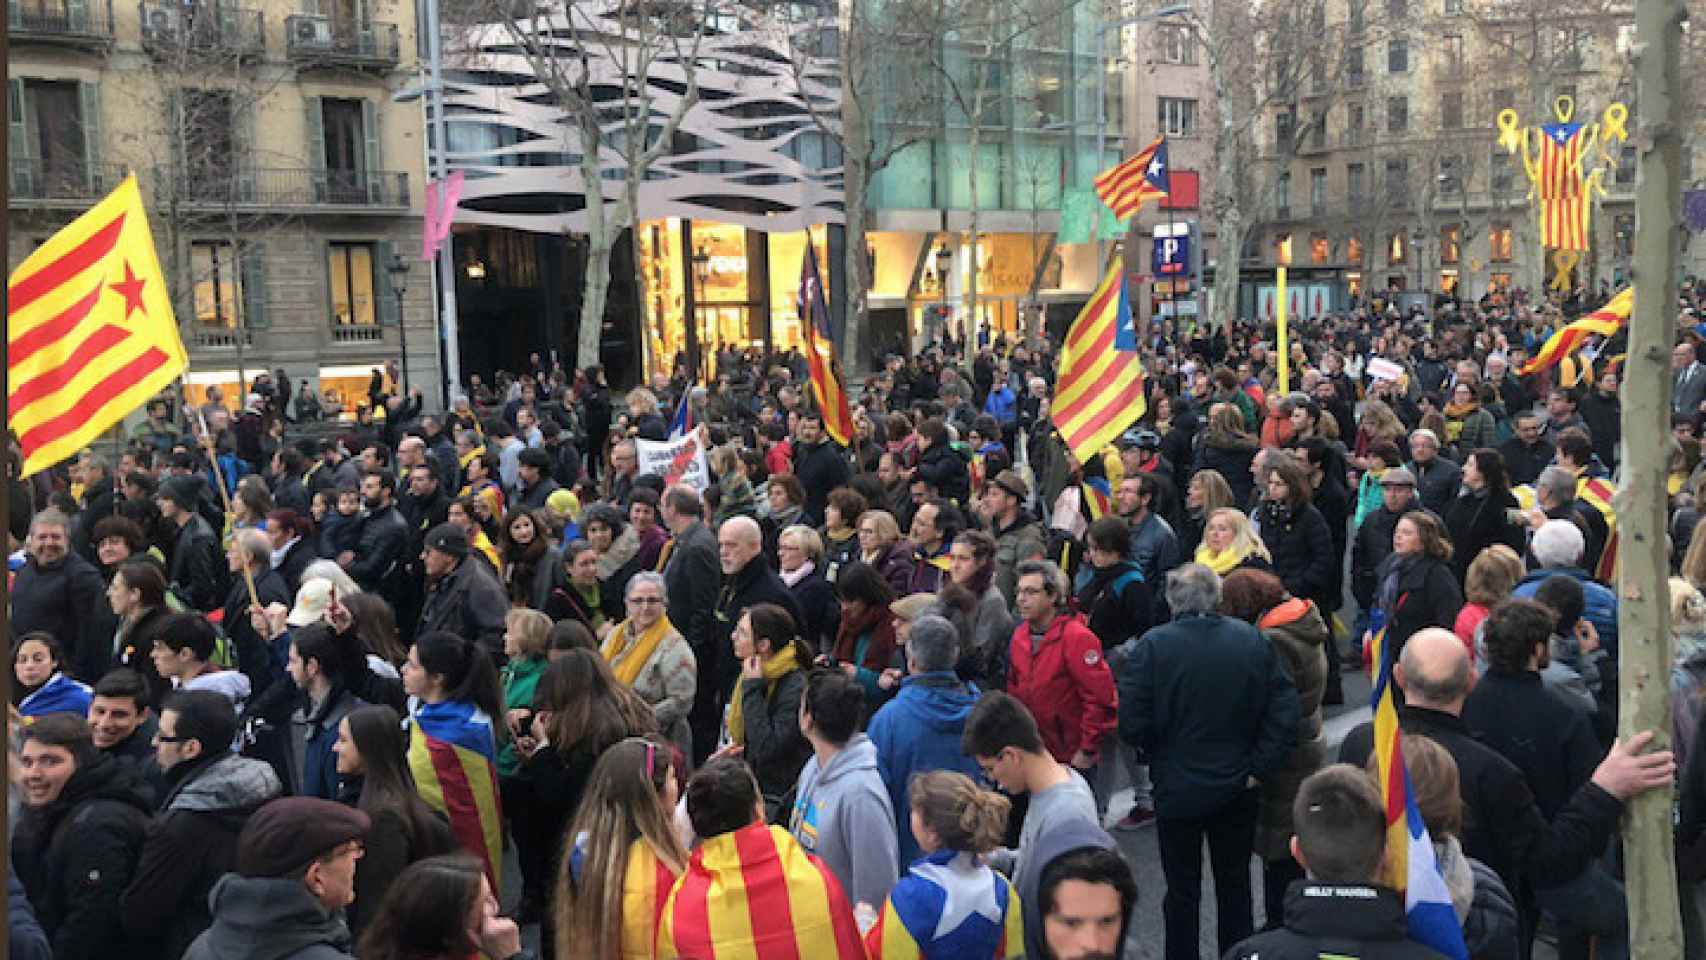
x: 677, y: 461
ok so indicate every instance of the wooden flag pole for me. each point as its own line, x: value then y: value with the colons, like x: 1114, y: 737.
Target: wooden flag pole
x: 224, y: 495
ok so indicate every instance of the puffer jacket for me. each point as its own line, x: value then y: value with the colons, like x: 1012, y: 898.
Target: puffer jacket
x: 1231, y: 458
x: 191, y: 844
x: 1299, y: 635
x: 1302, y: 547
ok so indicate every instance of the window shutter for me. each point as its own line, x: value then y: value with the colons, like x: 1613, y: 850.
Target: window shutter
x: 383, y: 296
x: 316, y: 123
x: 370, y: 155
x: 89, y: 102
x: 247, y: 136
x: 253, y: 264
x: 18, y: 140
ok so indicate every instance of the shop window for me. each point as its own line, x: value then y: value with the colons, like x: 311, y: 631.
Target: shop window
x: 1499, y: 243
x: 350, y: 269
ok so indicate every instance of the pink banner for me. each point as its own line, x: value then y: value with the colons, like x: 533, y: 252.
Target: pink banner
x: 441, y: 200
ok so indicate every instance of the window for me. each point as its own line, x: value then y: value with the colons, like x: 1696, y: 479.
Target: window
x: 1623, y: 231
x: 1317, y: 76
x: 1353, y: 249
x: 1356, y: 183
x: 1285, y: 131
x: 1503, y: 172
x: 1453, y: 7
x: 350, y: 269
x: 1499, y: 243
x: 1687, y: 163
x: 1566, y: 49
x: 1320, y: 250
x: 56, y: 143
x: 1398, y: 55
x: 1178, y: 117
x: 1452, y: 175
x: 1318, y: 129
x: 1353, y: 67
x: 1450, y: 243
x: 209, y: 141
x: 1503, y: 97
x: 1282, y: 194
x: 1318, y: 189
x: 1397, y: 181
x: 1397, y: 9
x: 1282, y: 248
x: 1353, y: 123
x: 1176, y: 44
x: 1451, y: 54
x: 1626, y: 166
x: 1451, y: 110
x: 1397, y: 248
x: 1356, y: 16
x: 217, y: 297
x: 1397, y: 114
x: 344, y: 147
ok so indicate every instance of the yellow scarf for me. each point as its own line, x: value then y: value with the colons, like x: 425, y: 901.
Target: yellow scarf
x: 635, y: 657
x: 1220, y: 561
x: 775, y: 669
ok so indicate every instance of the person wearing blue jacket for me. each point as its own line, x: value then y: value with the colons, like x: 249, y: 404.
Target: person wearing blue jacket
x: 320, y: 670
x: 920, y: 729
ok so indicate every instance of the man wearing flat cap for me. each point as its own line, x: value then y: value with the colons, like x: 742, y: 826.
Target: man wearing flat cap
x: 295, y: 875
x: 462, y: 597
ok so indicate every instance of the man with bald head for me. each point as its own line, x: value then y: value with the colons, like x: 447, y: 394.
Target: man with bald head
x: 747, y: 580
x: 1503, y: 826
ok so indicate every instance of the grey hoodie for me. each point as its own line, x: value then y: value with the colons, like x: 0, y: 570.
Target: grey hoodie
x: 1064, y: 836
x: 842, y: 814
x: 268, y: 918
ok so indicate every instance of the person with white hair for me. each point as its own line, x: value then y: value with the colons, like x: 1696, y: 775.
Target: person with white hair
x: 1558, y: 547
x: 1437, y: 478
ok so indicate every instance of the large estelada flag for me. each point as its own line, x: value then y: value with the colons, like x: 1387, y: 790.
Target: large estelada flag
x: 820, y: 352
x: 1410, y: 866
x: 1605, y: 321
x: 1126, y: 187
x: 453, y: 756
x: 1100, y: 386
x: 90, y: 334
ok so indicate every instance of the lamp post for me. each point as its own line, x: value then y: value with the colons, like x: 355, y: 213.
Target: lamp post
x: 398, y: 268
x: 701, y: 278
x: 944, y: 263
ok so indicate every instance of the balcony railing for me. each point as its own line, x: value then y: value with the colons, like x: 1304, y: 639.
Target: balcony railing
x: 358, y: 334
x: 46, y: 182
x: 311, y: 38
x: 169, y: 27
x: 288, y: 188
x: 220, y: 338
x: 58, y: 21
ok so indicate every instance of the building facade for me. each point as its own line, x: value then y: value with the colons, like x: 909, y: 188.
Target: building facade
x: 280, y: 178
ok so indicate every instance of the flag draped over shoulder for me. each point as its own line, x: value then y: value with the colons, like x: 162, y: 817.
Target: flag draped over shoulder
x: 453, y: 756
x: 1605, y: 321
x: 646, y: 882
x: 755, y: 894
x: 820, y: 352
x: 90, y: 334
x: 948, y: 906
x: 1126, y: 187
x: 1100, y: 387
x: 1411, y: 868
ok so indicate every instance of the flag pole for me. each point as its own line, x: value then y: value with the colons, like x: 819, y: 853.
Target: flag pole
x: 224, y: 495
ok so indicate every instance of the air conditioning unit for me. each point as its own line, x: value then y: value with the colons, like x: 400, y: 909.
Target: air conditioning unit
x: 313, y: 32
x: 161, y: 24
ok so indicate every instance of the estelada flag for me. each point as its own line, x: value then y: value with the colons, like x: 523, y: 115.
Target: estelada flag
x: 1126, y: 187
x: 90, y: 334
x: 820, y: 352
x: 453, y: 757
x: 1099, y: 392
x: 1605, y: 321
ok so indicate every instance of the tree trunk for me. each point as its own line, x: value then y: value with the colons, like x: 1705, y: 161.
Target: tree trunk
x: 600, y: 240
x: 1230, y: 230
x: 1644, y: 601
x: 856, y: 176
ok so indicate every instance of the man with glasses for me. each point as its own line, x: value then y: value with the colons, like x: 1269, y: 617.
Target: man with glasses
x: 210, y: 793
x: 295, y: 875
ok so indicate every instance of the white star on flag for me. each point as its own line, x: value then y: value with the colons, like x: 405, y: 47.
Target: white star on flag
x: 968, y: 891
x: 1155, y: 168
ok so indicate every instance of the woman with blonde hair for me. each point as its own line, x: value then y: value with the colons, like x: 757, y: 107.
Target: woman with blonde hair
x: 881, y: 546
x: 1378, y: 423
x: 1207, y: 492
x: 1230, y: 542
x: 624, y: 856
x: 1493, y: 574
x: 956, y: 823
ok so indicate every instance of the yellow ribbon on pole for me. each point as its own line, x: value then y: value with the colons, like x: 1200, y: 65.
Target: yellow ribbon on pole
x: 1284, y: 345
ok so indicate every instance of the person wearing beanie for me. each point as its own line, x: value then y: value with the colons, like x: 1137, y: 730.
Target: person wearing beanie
x: 196, y: 574
x: 461, y: 597
x: 295, y: 875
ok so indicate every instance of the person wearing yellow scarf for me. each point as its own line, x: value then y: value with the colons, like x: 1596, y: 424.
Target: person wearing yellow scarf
x: 627, y: 653
x: 650, y: 657
x: 773, y: 670
x: 1229, y: 542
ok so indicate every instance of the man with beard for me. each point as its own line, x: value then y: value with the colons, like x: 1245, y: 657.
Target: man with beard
x: 384, y: 535
x: 819, y: 464
x: 1018, y: 535
x: 60, y: 593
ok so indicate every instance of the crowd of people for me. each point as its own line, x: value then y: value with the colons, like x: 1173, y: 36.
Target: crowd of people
x: 292, y: 689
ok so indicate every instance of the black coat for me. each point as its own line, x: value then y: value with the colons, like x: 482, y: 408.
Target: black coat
x: 690, y: 579
x: 290, y: 493
x: 753, y: 584
x: 1475, y: 521
x: 775, y: 748
x: 1503, y: 826
x: 822, y: 611
x: 296, y: 560
x: 1211, y: 703
x: 1370, y: 548
x: 1116, y: 602
x: 1323, y: 920
x: 76, y: 857
x: 820, y: 468
x: 1334, y: 502
x: 1428, y: 596
x: 389, y: 847
x: 1525, y: 461
x: 1232, y: 461
x: 134, y: 652
x: 197, y: 573
x: 1302, y: 548
x: 468, y: 602
x: 254, y: 654
x: 944, y: 468
x: 1549, y: 739
x: 379, y: 552
x: 67, y: 600
x: 1437, y: 483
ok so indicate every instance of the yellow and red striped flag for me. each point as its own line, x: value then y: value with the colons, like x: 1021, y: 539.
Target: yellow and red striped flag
x: 820, y: 352
x: 90, y: 334
x: 453, y: 756
x: 755, y: 894
x: 1564, y: 207
x: 1100, y: 390
x: 1605, y: 321
x: 1126, y: 187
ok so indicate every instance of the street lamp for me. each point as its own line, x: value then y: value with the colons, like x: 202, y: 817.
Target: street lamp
x: 399, y: 271
x: 701, y: 278
x: 944, y: 263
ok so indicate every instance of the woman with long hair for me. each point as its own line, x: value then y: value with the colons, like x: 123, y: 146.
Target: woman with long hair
x: 624, y: 855
x: 865, y: 643
x: 1481, y: 514
x: 1206, y: 492
x: 137, y: 596
x: 617, y: 544
x: 649, y: 656
x: 371, y: 625
x: 456, y: 724
x: 840, y: 531
x: 1378, y: 423
x: 526, y: 547
x: 526, y: 633
x: 372, y: 757
x: 577, y: 594
x: 1417, y: 588
x: 763, y: 718
x: 971, y: 565
x: 1296, y: 534
x: 1230, y: 543
x: 1228, y: 448
x: 442, y: 908
x: 580, y: 711
x: 956, y: 824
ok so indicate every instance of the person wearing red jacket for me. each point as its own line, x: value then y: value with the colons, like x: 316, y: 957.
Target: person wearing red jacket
x: 1057, y: 670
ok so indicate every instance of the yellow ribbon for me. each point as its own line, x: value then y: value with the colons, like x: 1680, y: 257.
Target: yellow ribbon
x: 1616, y: 116
x: 1564, y: 107
x: 1565, y: 261
x: 1510, y: 135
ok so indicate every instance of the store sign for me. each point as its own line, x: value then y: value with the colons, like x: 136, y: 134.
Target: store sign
x: 1172, y: 255
x: 676, y: 461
